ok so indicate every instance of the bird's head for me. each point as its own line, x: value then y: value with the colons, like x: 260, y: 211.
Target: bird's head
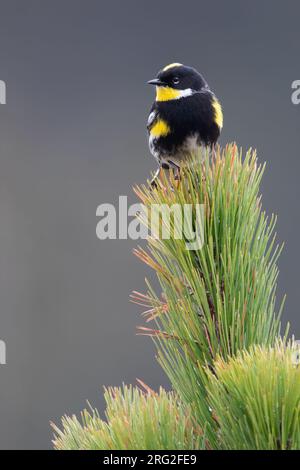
x: 177, y: 81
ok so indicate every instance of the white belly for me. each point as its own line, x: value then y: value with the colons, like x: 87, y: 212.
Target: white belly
x: 191, y: 146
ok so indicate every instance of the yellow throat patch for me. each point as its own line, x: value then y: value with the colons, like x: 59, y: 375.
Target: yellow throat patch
x: 165, y: 93
x: 160, y: 129
x: 218, y: 113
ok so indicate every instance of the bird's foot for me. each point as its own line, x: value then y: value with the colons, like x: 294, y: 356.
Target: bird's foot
x: 158, y: 178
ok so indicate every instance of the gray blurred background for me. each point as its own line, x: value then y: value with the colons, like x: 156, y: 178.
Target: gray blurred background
x: 72, y: 136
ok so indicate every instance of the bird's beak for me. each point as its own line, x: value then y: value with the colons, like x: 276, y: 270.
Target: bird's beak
x: 156, y: 81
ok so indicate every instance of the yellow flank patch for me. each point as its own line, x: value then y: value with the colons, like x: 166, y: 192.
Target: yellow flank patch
x: 170, y: 66
x: 165, y: 93
x: 218, y: 113
x: 160, y: 129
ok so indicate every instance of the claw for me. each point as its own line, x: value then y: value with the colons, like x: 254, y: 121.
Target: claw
x: 153, y: 182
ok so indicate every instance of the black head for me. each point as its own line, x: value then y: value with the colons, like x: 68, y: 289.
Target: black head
x: 179, y: 77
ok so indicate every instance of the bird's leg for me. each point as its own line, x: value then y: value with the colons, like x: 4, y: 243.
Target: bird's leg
x: 176, y: 173
x: 213, y: 150
x: 153, y: 182
x: 158, y: 174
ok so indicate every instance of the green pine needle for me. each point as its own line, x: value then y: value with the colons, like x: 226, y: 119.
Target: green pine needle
x: 256, y: 399
x: 134, y: 420
x: 220, y: 298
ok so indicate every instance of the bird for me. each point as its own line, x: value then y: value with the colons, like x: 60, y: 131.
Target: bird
x: 185, y: 116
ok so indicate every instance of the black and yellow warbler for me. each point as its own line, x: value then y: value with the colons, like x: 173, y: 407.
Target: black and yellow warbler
x: 184, y: 116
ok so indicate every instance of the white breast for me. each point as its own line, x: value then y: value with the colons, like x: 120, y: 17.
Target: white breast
x: 151, y: 118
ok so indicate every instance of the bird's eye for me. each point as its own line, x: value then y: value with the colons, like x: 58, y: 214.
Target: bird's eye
x: 175, y: 80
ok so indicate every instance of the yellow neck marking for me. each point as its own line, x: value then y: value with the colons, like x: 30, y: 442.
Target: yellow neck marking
x: 218, y: 113
x: 170, y: 66
x: 164, y: 93
x: 160, y: 129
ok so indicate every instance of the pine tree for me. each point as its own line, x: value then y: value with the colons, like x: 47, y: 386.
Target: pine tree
x: 217, y: 301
